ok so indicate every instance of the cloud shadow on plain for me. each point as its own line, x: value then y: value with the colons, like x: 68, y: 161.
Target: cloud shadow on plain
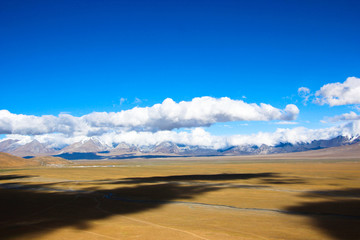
x: 338, y: 216
x: 32, y: 209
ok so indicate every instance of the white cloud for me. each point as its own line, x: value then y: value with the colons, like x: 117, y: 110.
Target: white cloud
x: 199, y: 112
x: 344, y: 117
x: 168, y: 115
x: 287, y: 123
x: 336, y: 94
x: 297, y: 135
x: 33, y: 125
x: 122, y: 100
x: 196, y: 136
x: 137, y: 100
x: 304, y: 93
x: 200, y: 137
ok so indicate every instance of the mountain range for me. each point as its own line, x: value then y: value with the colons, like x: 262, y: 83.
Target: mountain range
x: 93, y: 148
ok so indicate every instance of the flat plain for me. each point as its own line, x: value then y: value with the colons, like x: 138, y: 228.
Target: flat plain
x: 184, y: 198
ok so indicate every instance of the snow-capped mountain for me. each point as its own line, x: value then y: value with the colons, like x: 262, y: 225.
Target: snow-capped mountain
x: 9, y: 145
x: 124, y: 148
x: 288, y: 147
x: 89, y: 145
x: 94, y: 146
x: 33, y: 148
x: 167, y: 148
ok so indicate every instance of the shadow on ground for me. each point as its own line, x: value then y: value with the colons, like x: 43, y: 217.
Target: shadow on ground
x: 265, y: 178
x: 338, y: 215
x: 11, y: 177
x: 197, y: 177
x: 30, y: 210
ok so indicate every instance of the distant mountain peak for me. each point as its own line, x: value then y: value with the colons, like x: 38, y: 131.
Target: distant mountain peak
x: 85, y: 145
x: 32, y: 148
x: 166, y: 147
x: 9, y: 145
x: 125, y: 148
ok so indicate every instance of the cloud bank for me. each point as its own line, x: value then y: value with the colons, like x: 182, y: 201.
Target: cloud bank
x: 298, y: 135
x: 200, y: 137
x: 167, y: 115
x: 336, y: 94
x: 344, y: 117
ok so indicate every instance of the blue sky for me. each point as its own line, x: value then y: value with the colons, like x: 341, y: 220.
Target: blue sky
x: 80, y: 57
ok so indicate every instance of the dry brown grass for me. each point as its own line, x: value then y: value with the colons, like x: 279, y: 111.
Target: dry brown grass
x: 11, y: 161
x: 205, y: 198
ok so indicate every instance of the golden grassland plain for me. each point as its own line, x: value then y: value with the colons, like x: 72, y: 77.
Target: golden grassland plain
x: 199, y: 198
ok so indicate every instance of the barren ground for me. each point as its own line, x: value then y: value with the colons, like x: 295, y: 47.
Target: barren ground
x: 200, y: 198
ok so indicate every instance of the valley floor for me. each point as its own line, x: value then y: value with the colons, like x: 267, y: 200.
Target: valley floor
x: 202, y: 198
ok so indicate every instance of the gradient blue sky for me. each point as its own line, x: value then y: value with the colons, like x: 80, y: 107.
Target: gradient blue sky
x: 84, y: 56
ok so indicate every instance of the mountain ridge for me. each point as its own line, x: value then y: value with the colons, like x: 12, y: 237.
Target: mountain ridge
x: 96, y: 147
x: 84, y: 146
